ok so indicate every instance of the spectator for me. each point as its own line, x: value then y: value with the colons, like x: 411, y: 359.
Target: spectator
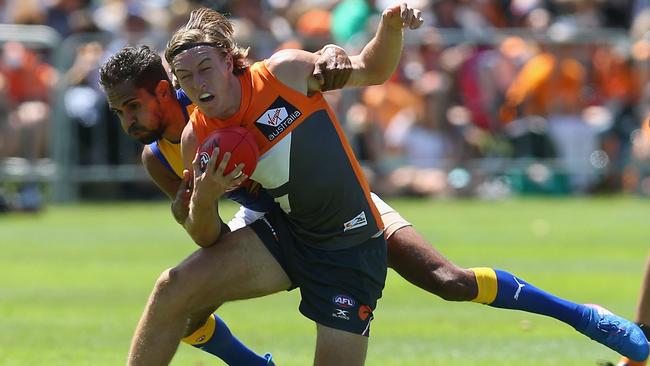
x: 551, y: 85
x: 68, y: 16
x: 511, y: 98
x: 422, y: 136
x: 617, y: 89
x: 349, y: 19
x: 25, y: 83
x: 366, y: 138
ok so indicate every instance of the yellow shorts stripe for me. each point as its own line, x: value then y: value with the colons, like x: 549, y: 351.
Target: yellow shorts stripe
x: 202, y: 334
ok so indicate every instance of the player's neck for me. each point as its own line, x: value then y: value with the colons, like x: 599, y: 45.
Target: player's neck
x: 174, y: 119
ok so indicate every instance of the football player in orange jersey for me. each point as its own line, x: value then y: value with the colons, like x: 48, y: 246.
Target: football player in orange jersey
x: 329, y: 242
x: 140, y: 94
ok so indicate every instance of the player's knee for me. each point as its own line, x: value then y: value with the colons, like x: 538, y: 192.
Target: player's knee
x: 167, y: 283
x: 452, y: 283
x: 174, y: 288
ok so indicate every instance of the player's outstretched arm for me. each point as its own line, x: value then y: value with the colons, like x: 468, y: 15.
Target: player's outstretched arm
x: 380, y: 57
x: 377, y: 61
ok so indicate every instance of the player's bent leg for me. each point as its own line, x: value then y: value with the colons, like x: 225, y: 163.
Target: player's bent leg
x: 244, y: 269
x: 337, y: 347
x: 418, y: 262
x: 410, y: 255
x: 239, y: 266
x: 413, y: 258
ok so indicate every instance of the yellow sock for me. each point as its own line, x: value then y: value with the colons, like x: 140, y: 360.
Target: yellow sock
x: 486, y: 280
x: 203, y: 334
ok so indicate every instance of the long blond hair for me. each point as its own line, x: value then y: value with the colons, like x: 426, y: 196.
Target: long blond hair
x: 207, y: 27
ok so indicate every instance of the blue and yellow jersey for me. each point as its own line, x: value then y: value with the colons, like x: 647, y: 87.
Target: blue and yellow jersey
x: 167, y: 152
x: 250, y: 194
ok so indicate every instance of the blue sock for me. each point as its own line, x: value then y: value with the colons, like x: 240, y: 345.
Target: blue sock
x: 215, y: 338
x: 503, y: 290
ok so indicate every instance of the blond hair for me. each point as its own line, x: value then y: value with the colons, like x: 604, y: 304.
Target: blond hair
x: 207, y: 27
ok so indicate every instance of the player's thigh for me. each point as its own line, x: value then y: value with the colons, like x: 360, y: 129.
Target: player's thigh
x: 337, y: 347
x: 238, y: 266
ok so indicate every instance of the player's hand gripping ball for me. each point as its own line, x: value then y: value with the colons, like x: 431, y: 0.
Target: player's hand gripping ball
x: 236, y: 140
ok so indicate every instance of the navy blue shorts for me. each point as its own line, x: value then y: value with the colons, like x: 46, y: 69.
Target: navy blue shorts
x: 339, y: 288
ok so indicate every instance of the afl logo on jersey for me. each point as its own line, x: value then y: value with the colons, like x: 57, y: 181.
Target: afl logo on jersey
x: 277, y: 118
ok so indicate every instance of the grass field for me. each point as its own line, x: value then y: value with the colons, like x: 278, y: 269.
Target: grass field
x: 74, y: 279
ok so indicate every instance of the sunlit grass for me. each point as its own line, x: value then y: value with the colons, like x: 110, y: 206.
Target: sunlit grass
x: 74, y: 279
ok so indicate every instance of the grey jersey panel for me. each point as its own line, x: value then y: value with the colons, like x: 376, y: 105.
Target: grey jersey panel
x: 328, y: 206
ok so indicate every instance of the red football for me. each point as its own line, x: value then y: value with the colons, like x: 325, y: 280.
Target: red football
x: 238, y: 141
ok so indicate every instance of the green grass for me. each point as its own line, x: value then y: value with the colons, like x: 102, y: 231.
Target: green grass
x: 74, y: 279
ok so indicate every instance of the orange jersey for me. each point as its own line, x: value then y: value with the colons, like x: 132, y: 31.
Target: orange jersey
x: 305, y: 163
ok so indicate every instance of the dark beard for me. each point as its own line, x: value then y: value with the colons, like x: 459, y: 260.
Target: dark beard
x: 150, y: 138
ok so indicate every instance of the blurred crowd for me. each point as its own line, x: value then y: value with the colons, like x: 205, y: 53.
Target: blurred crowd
x: 492, y: 97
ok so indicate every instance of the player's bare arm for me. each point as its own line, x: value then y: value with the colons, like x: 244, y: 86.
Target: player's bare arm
x: 330, y: 67
x: 176, y: 189
x: 374, y: 65
x: 380, y: 57
x: 167, y: 181
x: 295, y: 69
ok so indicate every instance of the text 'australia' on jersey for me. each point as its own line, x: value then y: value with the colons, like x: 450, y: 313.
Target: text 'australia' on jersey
x: 306, y: 164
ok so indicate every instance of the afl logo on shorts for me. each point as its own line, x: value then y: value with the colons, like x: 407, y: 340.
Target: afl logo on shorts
x: 343, y: 301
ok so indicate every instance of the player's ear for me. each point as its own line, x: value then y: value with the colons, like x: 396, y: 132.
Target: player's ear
x: 229, y: 62
x: 163, y: 89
